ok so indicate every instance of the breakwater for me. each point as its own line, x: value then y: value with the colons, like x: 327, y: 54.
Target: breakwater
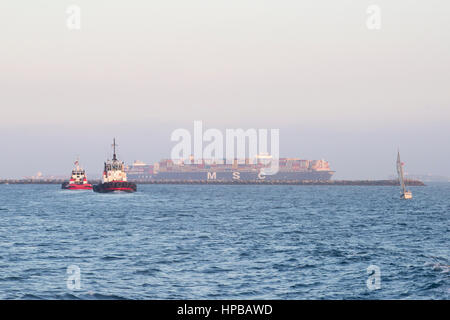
x: 238, y: 182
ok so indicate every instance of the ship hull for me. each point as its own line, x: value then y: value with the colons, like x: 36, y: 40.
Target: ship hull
x: 116, y: 186
x: 74, y: 186
x: 235, y: 176
x: 406, y: 195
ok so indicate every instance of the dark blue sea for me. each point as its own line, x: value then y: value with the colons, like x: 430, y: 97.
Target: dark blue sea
x: 225, y: 242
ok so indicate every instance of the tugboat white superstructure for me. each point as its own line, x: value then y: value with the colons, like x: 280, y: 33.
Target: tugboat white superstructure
x: 78, y: 180
x: 114, y: 176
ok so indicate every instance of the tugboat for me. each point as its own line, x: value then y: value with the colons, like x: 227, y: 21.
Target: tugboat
x: 78, y: 181
x: 114, y: 177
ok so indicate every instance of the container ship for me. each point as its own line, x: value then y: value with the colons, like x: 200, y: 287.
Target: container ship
x: 289, y: 169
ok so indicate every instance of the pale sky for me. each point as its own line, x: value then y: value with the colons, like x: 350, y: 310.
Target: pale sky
x: 138, y: 70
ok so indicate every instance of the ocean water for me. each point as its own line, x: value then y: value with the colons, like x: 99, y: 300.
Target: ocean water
x: 225, y: 242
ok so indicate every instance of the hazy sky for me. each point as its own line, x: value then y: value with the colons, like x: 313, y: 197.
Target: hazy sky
x: 138, y: 70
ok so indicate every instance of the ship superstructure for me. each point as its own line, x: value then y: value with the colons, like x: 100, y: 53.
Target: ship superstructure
x: 289, y: 169
x: 78, y: 179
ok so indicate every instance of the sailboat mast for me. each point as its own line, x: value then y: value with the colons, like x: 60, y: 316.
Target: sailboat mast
x: 400, y: 173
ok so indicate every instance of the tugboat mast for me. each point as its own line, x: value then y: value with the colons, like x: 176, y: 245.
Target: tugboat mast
x: 114, y: 146
x: 77, y: 163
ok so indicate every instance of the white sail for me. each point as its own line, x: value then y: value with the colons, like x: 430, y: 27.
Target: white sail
x: 405, y: 193
x: 400, y: 173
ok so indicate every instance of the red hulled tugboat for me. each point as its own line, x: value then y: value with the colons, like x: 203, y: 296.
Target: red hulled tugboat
x: 114, y: 177
x: 78, y: 181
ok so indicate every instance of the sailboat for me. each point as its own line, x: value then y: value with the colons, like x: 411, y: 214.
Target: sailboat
x: 406, y: 194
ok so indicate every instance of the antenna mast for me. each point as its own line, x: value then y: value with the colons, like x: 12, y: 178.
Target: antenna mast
x: 114, y: 145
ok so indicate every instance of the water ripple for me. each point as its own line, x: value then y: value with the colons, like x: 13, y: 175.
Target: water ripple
x: 224, y: 242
